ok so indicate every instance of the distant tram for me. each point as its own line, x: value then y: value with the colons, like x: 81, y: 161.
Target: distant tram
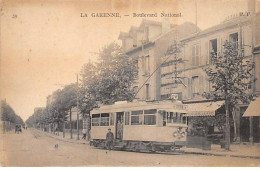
x: 139, y: 126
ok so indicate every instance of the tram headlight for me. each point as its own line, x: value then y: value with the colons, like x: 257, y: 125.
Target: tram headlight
x: 175, y: 134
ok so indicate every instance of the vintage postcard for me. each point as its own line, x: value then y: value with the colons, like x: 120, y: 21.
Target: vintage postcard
x: 130, y: 83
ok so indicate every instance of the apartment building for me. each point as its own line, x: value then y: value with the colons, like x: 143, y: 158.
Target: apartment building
x: 192, y: 82
x: 181, y: 77
x: 148, y: 43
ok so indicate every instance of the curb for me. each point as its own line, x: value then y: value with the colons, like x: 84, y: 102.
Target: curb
x: 225, y: 155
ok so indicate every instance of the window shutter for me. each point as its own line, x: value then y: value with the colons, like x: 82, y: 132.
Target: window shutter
x: 189, y: 88
x: 197, y: 55
x: 201, y: 85
x: 207, y: 57
x: 206, y: 84
x: 193, y: 56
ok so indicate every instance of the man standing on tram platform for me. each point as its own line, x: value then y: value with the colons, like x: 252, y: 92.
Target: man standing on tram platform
x: 109, y: 139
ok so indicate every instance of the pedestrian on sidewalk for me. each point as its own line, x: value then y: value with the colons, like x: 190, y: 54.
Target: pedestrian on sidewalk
x: 84, y: 132
x: 110, y: 140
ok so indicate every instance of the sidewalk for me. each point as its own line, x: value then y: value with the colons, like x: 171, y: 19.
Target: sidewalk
x: 67, y: 137
x: 242, y: 151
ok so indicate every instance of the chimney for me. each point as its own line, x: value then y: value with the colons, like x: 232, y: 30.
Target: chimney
x: 251, y: 7
x: 166, y: 26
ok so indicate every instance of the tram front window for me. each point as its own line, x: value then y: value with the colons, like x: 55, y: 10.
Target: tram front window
x: 95, y: 119
x: 104, y: 119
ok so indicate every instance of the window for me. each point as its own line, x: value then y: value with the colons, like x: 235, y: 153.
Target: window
x: 136, y: 117
x: 176, y: 96
x: 173, y: 117
x: 233, y: 38
x: 164, y: 118
x: 146, y: 64
x: 165, y: 96
x: 95, y: 119
x: 111, y: 119
x: 195, y: 54
x: 213, y: 48
x: 104, y: 119
x: 195, y: 86
x: 147, y: 97
x: 127, y: 116
x: 150, y: 117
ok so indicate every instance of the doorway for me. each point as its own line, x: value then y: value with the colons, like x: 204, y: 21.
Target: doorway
x: 119, y: 125
x: 244, y: 126
x: 256, y: 129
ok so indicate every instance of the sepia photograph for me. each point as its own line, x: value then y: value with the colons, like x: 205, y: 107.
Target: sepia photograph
x: 130, y: 83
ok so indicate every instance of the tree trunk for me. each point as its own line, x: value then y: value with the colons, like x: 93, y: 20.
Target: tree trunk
x: 52, y: 128
x: 88, y: 127
x: 70, y: 126
x: 227, y: 131
x: 235, y: 123
x: 63, y: 125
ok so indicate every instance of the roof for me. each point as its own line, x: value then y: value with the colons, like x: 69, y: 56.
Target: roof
x: 141, y: 105
x: 253, y: 108
x: 224, y: 25
x: 257, y: 49
x: 123, y: 34
x: 203, y: 109
x: 181, y: 30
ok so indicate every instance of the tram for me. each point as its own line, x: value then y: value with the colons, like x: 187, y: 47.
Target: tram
x: 140, y: 126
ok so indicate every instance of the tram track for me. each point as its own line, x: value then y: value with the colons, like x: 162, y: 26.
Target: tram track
x: 148, y: 152
x: 187, y: 153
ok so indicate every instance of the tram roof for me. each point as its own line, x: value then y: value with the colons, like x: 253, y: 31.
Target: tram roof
x: 168, y: 106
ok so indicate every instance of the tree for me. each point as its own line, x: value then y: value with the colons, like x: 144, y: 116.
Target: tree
x: 9, y: 115
x: 231, y: 75
x: 111, y: 78
x: 116, y: 74
x: 62, y: 102
x: 58, y: 105
x: 107, y: 81
x: 68, y: 99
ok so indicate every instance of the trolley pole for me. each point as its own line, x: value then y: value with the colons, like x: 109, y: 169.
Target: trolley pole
x: 77, y: 107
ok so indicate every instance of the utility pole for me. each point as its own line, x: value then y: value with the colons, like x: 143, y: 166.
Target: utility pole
x: 78, y: 106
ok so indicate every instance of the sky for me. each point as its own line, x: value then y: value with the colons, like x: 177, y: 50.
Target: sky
x: 45, y: 43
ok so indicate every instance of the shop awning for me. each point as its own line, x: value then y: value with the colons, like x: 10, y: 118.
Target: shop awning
x: 203, y: 109
x: 253, y: 108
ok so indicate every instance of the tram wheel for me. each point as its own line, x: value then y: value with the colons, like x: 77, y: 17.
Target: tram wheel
x: 173, y: 148
x: 136, y: 148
